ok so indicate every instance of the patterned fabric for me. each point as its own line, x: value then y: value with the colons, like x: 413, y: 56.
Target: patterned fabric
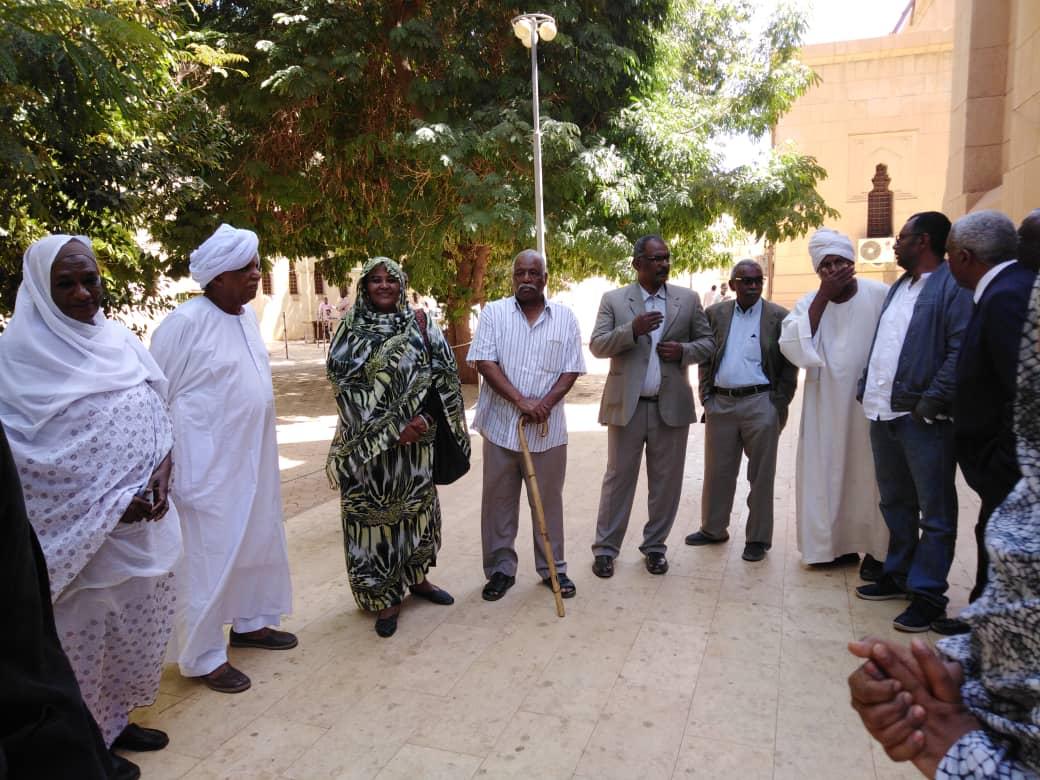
x: 383, y: 376
x: 110, y: 443
x: 999, y: 656
x: 113, y: 593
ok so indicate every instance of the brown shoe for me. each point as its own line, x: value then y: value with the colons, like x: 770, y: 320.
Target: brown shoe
x: 226, y: 679
x: 265, y: 639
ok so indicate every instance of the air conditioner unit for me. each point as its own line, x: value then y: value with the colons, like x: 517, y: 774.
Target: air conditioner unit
x: 876, y: 251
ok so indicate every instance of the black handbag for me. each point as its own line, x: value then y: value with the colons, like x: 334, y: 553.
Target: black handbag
x: 450, y: 461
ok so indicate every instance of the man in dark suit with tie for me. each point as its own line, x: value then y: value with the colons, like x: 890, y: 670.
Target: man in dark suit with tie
x: 652, y: 332
x: 746, y: 386
x: 981, y: 248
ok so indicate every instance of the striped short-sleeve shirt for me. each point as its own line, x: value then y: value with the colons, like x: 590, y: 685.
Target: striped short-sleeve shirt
x: 532, y: 357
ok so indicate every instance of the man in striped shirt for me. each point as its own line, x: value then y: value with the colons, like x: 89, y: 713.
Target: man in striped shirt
x: 528, y: 350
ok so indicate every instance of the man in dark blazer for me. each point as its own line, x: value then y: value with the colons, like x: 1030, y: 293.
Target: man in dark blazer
x: 981, y: 250
x: 746, y: 386
x: 652, y: 332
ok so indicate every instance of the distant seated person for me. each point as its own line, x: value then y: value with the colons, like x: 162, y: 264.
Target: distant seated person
x: 974, y: 711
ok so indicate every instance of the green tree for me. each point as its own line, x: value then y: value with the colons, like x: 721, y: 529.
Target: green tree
x: 103, y: 131
x: 403, y: 128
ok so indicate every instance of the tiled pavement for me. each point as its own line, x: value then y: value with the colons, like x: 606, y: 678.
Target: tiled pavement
x: 719, y: 669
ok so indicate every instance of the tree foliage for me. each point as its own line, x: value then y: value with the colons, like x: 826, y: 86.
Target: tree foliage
x: 404, y: 128
x: 341, y: 130
x: 102, y: 130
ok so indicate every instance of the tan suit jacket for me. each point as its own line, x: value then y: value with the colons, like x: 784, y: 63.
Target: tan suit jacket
x: 612, y: 337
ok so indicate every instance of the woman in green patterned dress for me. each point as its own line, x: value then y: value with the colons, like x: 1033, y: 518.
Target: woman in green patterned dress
x: 391, y: 376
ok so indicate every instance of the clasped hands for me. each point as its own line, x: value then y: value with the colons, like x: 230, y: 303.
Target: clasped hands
x: 643, y: 324
x: 154, y: 500
x: 909, y: 700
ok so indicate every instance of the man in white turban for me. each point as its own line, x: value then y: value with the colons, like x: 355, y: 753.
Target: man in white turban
x: 226, y: 482
x: 828, y: 333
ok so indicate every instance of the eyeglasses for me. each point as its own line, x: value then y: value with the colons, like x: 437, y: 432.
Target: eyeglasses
x: 904, y: 236
x: 657, y: 258
x: 750, y: 281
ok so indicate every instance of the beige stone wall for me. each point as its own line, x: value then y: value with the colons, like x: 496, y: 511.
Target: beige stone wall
x: 879, y: 100
x: 300, y: 309
x: 932, y: 15
x: 995, y: 142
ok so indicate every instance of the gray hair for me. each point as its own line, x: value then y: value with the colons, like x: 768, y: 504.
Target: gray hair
x: 745, y: 261
x: 989, y: 235
x: 532, y: 253
x: 639, y: 247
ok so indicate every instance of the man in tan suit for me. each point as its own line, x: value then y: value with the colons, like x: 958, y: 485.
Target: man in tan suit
x: 746, y: 387
x: 652, y: 332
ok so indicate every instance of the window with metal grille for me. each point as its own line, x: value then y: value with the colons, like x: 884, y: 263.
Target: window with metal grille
x: 265, y: 283
x: 319, y: 282
x: 879, y: 204
x: 294, y: 284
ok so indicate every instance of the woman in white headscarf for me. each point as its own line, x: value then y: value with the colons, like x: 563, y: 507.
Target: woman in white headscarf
x: 91, y: 438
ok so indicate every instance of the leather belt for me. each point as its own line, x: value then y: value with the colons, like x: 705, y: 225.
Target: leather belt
x: 649, y: 398
x: 741, y: 392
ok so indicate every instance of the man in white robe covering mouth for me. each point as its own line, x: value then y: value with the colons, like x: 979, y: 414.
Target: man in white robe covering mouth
x: 829, y: 333
x: 226, y: 480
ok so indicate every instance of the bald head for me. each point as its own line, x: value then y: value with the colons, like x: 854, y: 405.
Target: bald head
x: 1029, y: 240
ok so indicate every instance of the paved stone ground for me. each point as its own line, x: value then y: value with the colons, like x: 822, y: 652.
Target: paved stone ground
x: 719, y: 668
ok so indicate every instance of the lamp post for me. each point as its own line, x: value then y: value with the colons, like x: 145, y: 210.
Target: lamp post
x: 529, y: 28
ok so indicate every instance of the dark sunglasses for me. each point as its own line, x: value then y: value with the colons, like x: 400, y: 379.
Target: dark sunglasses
x: 749, y: 280
x: 657, y: 258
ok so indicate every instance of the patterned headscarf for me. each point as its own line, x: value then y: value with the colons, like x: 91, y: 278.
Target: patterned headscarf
x: 381, y: 369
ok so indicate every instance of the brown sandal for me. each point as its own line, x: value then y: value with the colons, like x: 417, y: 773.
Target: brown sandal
x: 226, y: 679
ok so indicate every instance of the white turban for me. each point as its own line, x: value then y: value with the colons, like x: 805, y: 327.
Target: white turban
x: 829, y: 242
x: 226, y: 250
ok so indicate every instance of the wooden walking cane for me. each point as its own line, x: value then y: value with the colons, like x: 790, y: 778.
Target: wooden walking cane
x: 539, y: 512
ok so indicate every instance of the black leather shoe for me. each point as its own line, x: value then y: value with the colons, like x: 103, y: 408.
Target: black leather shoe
x: 842, y: 560
x: 497, y: 586
x: 950, y: 626
x: 754, y: 551
x: 125, y: 770
x: 386, y: 626
x: 435, y: 595
x: 567, y: 587
x: 140, y: 739
x: 698, y: 539
x: 656, y: 563
x: 603, y: 566
x: 264, y: 639
x: 871, y: 569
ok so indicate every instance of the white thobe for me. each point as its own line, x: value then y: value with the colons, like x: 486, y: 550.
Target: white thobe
x: 226, y: 480
x: 836, y: 493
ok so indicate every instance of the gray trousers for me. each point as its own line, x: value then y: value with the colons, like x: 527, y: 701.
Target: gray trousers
x: 665, y: 458
x: 500, y: 507
x: 736, y: 426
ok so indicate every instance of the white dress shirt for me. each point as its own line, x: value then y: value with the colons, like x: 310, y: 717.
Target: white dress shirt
x: 888, y: 345
x: 988, y: 277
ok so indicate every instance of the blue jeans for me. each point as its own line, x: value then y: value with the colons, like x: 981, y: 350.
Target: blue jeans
x: 915, y: 468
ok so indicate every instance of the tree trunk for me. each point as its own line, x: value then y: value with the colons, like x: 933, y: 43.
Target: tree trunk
x: 471, y: 264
